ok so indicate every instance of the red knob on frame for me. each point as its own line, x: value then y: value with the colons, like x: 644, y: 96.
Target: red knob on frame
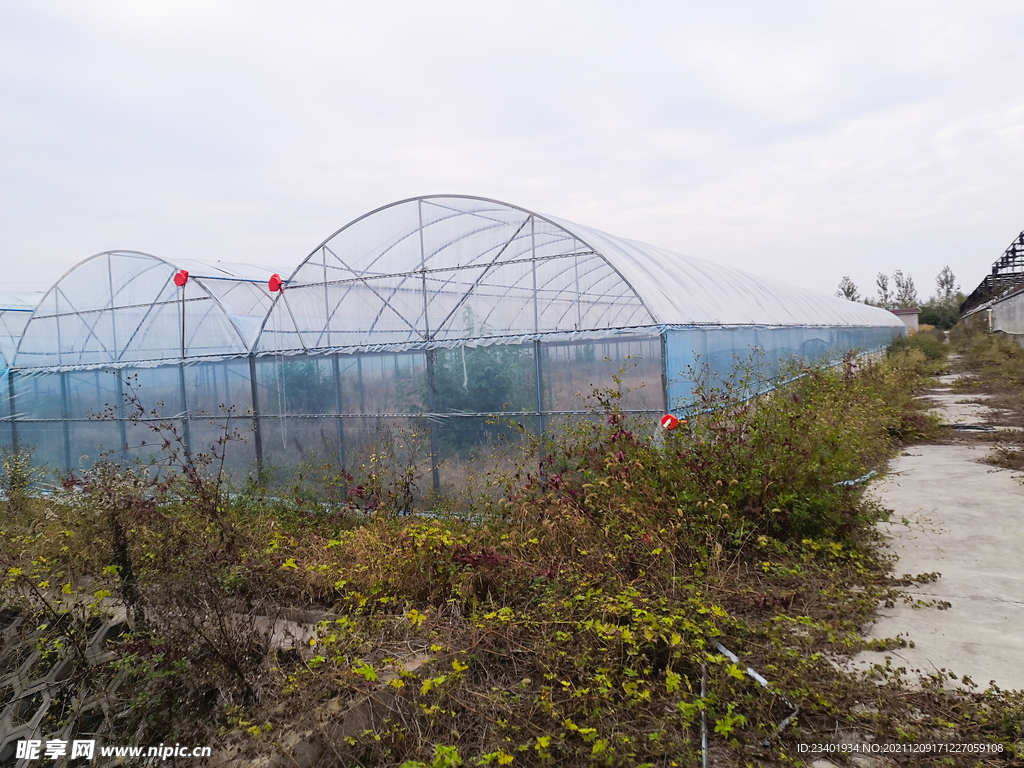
x: 275, y: 283
x: 180, y: 278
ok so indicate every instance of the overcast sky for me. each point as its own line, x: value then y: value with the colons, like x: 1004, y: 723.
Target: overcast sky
x: 802, y: 140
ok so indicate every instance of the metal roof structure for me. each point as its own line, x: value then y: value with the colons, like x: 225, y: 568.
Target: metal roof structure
x: 424, y: 272
x: 124, y: 307
x: 1007, y: 275
x: 437, y: 269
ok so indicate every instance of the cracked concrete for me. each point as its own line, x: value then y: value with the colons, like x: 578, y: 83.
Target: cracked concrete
x: 957, y: 516
x: 954, y: 407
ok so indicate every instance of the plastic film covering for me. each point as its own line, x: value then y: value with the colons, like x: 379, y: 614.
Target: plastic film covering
x: 714, y: 354
x: 122, y: 307
x: 439, y: 269
x: 72, y: 418
x: 459, y: 404
x: 1008, y: 315
x: 442, y: 269
x: 15, y: 311
x: 683, y: 290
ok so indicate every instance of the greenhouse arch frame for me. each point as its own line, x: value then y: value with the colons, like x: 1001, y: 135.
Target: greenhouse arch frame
x: 386, y: 320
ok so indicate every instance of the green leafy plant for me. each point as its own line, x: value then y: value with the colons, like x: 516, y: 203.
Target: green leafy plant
x: 20, y: 474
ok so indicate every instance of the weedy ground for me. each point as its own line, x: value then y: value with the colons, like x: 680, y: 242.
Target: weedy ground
x: 995, y: 365
x: 574, y: 615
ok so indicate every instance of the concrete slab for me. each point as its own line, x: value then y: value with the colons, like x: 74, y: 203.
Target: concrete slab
x: 956, y: 409
x: 960, y: 408
x: 965, y: 520
x: 951, y: 378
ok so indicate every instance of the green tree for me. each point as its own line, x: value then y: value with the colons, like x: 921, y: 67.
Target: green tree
x: 307, y: 389
x: 945, y: 284
x: 906, y: 292
x: 847, y: 289
x: 483, y: 379
x: 943, y: 309
x: 884, y: 294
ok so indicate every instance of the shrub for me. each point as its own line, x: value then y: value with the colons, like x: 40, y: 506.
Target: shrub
x: 930, y: 342
x: 20, y: 473
x: 768, y: 464
x: 996, y: 358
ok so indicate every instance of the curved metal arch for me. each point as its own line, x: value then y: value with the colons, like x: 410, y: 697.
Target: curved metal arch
x: 395, y: 289
x: 544, y: 285
x: 158, y: 260
x: 568, y: 231
x: 428, y: 198
x: 447, y: 244
x: 485, y: 266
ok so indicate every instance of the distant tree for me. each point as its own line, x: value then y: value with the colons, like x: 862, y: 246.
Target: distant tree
x: 884, y: 294
x: 945, y: 282
x: 906, y: 293
x: 847, y: 289
x: 942, y: 316
x: 943, y: 309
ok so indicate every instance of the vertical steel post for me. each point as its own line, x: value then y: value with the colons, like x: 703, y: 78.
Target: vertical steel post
x: 431, y: 396
x: 211, y: 371
x: 327, y: 296
x: 66, y: 413
x: 119, y: 391
x: 551, y: 389
x: 432, y: 403
x: 362, y: 391
x: 186, y: 417
x: 14, y: 412
x: 185, y: 427
x: 257, y: 433
x: 227, y: 383
x: 537, y: 368
x: 538, y: 372
x: 664, y: 369
x: 338, y: 407
x: 183, y: 320
x: 122, y: 427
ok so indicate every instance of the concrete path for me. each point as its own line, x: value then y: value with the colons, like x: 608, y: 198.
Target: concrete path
x: 965, y: 520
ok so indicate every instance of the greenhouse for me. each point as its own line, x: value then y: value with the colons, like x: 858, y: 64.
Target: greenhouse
x: 457, y: 313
